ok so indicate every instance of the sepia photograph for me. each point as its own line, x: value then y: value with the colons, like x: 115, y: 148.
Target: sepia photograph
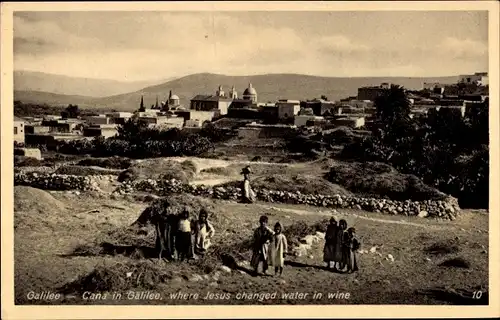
x: 213, y: 157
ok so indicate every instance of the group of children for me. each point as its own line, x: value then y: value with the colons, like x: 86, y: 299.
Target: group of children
x: 270, y: 247
x: 190, y: 238
x: 340, y: 247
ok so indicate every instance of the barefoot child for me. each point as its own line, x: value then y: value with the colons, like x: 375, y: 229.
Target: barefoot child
x: 261, y: 239
x: 351, y: 245
x: 330, y: 242
x: 183, y: 239
x: 278, y: 249
x: 338, y: 251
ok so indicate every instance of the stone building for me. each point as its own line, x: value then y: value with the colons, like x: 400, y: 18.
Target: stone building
x: 18, y: 130
x: 372, y: 93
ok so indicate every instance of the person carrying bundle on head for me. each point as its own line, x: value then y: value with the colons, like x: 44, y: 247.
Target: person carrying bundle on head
x: 248, y: 195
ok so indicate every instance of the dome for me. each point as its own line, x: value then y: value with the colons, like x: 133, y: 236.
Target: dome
x: 174, y: 97
x: 249, y: 91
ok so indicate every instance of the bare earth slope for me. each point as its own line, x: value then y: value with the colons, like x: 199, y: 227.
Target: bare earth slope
x: 45, y: 257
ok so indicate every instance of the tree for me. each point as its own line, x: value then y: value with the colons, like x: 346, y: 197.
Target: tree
x: 72, y: 111
x: 323, y: 97
x: 393, y: 106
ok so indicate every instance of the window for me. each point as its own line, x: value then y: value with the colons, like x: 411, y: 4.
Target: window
x: 15, y: 130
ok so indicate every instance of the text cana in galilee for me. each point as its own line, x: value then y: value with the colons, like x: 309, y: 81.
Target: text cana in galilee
x: 208, y: 296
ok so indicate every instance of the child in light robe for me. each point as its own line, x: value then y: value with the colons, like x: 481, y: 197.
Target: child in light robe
x: 279, y: 248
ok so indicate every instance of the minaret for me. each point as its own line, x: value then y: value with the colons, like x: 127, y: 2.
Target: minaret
x: 220, y: 92
x: 233, y: 94
x: 141, y: 108
x: 156, y: 104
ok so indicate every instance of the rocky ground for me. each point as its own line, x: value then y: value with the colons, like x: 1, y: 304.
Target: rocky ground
x: 403, y: 260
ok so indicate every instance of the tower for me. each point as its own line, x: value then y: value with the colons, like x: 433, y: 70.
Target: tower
x: 220, y: 92
x: 233, y: 94
x: 141, y: 107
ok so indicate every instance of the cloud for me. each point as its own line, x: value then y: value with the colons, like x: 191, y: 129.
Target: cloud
x: 463, y: 48
x: 146, y: 45
x: 339, y: 43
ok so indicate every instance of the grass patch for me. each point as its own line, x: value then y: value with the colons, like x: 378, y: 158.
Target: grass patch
x: 110, y: 163
x: 159, y: 169
x: 458, y: 262
x: 86, y: 171
x: 380, y: 180
x: 440, y: 248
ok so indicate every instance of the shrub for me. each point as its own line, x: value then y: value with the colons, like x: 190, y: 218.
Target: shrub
x: 21, y: 161
x: 110, y: 163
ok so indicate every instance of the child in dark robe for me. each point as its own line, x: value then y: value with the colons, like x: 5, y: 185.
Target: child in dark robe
x: 183, y: 239
x: 338, y: 252
x: 262, y: 237
x: 330, y: 241
x: 351, y: 245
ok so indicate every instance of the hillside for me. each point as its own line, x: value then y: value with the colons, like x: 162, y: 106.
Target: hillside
x: 52, y: 99
x: 269, y: 87
x: 60, y: 84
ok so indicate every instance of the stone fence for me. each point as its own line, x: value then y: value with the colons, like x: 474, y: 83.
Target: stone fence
x: 446, y: 208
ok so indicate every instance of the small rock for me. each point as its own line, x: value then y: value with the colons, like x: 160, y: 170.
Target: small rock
x: 213, y: 284
x: 177, y: 279
x: 195, y: 278
x: 216, y: 276
x: 484, y: 251
x: 390, y: 257
x: 428, y: 259
x: 423, y: 214
x: 373, y: 249
x: 311, y: 257
x: 282, y: 281
x: 225, y: 269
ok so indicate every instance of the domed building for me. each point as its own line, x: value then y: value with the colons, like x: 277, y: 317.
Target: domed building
x: 173, y: 100
x: 250, y: 94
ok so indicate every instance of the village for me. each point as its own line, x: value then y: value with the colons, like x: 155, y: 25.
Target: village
x: 264, y: 119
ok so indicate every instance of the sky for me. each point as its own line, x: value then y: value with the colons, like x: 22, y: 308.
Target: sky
x: 137, y: 46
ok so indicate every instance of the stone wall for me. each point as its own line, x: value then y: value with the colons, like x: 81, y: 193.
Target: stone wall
x: 54, y: 181
x: 447, y: 208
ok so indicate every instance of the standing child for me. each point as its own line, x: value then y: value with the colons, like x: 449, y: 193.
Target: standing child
x: 278, y: 249
x: 183, y: 239
x: 261, y: 239
x: 351, y: 245
x: 330, y: 242
x: 338, y: 252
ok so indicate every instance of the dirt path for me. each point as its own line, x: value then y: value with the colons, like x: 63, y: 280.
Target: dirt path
x: 330, y: 213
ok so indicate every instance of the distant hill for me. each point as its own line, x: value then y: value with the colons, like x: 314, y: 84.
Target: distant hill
x: 269, y: 88
x: 46, y: 82
x: 52, y: 99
